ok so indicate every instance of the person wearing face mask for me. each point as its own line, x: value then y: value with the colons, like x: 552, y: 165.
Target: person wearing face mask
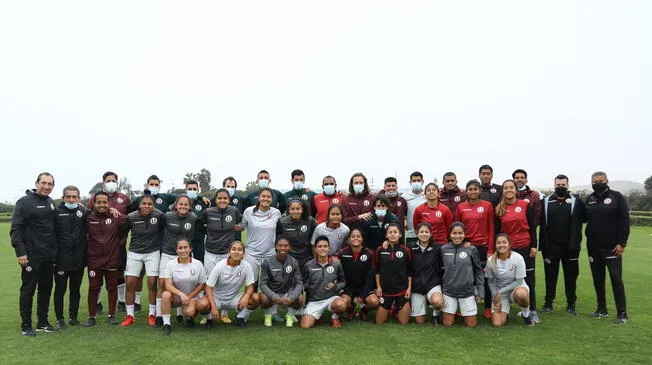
x: 560, y: 238
x: 71, y: 252
x: 523, y: 192
x: 322, y: 201
x: 451, y: 195
x: 278, y: 199
x: 397, y: 204
x: 358, y: 204
x: 197, y: 206
x: 607, y: 231
x: 488, y: 191
x: 235, y: 200
x: 162, y: 201
x: 299, y: 191
x: 381, y: 218
x: 413, y: 199
x: 298, y: 227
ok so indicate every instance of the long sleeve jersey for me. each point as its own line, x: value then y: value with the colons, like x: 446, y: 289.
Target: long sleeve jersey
x: 519, y: 223
x: 32, y: 228
x: 145, y: 231
x: 479, y: 222
x: 218, y: 225
x: 394, y: 265
x: 426, y: 262
x: 70, y: 229
x: 463, y: 274
x: 278, y: 278
x: 319, y: 276
x: 439, y: 217
x: 177, y: 228
x: 607, y: 220
x: 354, y: 205
x: 358, y: 268
x: 299, y: 232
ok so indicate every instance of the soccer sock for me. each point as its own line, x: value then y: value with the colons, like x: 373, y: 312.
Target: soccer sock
x: 137, y: 301
x: 335, y: 316
x: 291, y: 311
x: 244, y: 313
x: 122, y: 288
x: 166, y: 319
x: 179, y: 311
x: 268, y: 311
x: 208, y: 315
x: 525, y: 311
x: 158, y: 306
x: 224, y: 313
x: 130, y: 310
x: 435, y: 312
x: 152, y: 309
x: 99, y: 295
x: 274, y: 308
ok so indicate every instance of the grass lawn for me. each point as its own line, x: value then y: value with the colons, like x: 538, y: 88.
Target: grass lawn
x: 559, y: 339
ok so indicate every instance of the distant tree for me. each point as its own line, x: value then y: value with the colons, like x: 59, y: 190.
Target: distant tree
x: 6, y: 208
x: 639, y: 201
x: 96, y: 188
x: 251, y: 186
x: 203, y: 177
x: 124, y: 185
x: 648, y: 185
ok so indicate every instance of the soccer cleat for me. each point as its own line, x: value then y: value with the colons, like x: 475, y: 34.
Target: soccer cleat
x: 571, y: 310
x: 225, y: 318
x: 487, y: 313
x: 112, y: 320
x: 122, y: 307
x: 158, y: 321
x: 436, y: 320
x: 190, y: 322
x: 26, y: 330
x: 289, y: 320
x: 528, y: 321
x: 100, y: 307
x: 277, y: 318
x: 547, y: 308
x: 600, y: 313
x: 137, y: 307
x: 239, y: 322
x: 167, y: 329
x: 151, y: 320
x: 90, y: 323
x: 129, y: 320
x: 208, y: 324
x: 268, y: 320
x: 179, y: 319
x: 61, y: 324
x: 335, y: 323
x: 535, y: 317
x: 45, y: 327
x: 73, y: 321
x: 203, y: 320
x: 622, y: 318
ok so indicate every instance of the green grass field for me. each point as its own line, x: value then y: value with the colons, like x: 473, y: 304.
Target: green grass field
x: 559, y: 339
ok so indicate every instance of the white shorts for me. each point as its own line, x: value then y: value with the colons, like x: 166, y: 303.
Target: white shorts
x: 229, y: 304
x: 211, y: 259
x: 507, y: 299
x: 135, y: 263
x: 419, y: 302
x: 467, y: 305
x: 165, y: 258
x: 316, y: 309
x: 256, y: 263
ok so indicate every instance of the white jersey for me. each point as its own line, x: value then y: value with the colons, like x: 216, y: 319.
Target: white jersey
x: 336, y: 236
x: 413, y: 201
x: 506, y: 271
x: 226, y: 280
x: 261, y: 230
x: 185, y: 277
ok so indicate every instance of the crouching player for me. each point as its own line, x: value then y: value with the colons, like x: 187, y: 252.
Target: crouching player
x: 280, y: 283
x: 325, y: 280
x: 184, y: 279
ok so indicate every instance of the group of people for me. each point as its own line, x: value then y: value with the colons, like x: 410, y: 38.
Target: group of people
x: 349, y: 252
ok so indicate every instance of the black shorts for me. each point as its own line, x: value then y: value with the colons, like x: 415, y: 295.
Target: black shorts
x: 398, y: 302
x: 356, y: 292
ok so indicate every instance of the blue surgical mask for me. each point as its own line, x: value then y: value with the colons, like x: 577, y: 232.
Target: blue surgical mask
x: 329, y: 189
x: 71, y: 206
x: 417, y: 186
x: 358, y: 188
x: 153, y: 190
x: 380, y: 213
x: 298, y: 185
x: 231, y: 191
x: 263, y: 183
x: 192, y: 194
x: 391, y: 194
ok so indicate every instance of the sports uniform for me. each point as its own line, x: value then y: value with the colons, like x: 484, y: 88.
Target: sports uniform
x: 261, y: 234
x: 413, y: 200
x: 145, y: 244
x: 336, y: 236
x: 354, y: 205
x: 491, y: 193
x: 278, y: 200
x: 185, y: 277
x: 226, y: 281
x: 218, y: 225
x: 198, y: 206
x: 439, y: 217
x: 307, y: 197
x: 281, y: 279
x: 394, y: 265
x: 358, y: 271
x: 299, y: 232
x: 319, y: 276
x: 463, y: 278
x: 321, y: 203
x: 504, y: 277
x: 374, y: 229
x: 426, y: 281
x: 162, y: 202
x: 176, y: 228
x: 452, y: 198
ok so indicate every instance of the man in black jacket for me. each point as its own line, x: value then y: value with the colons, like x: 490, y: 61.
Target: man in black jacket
x: 35, y: 243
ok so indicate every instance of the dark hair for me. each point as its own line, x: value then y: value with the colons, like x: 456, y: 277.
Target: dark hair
x: 322, y: 238
x: 271, y: 192
x: 304, y: 211
x: 328, y: 177
x: 500, y: 208
x: 234, y: 242
x: 366, y: 185
x: 109, y: 173
x: 456, y: 224
x: 222, y: 190
x: 427, y: 225
x: 397, y: 227
x: 383, y: 199
x: 416, y: 173
x: 331, y: 207
x: 296, y: 172
x: 184, y: 240
x: 146, y: 195
x: 431, y: 183
x: 191, y: 182
x: 473, y: 182
x: 519, y: 171
x: 495, y: 254
x: 73, y: 188
x: 485, y: 167
x: 262, y: 172
x: 359, y: 231
x: 561, y: 177
x: 182, y: 196
x: 282, y: 237
x: 38, y: 178
x: 449, y: 174
x: 153, y: 177
x: 229, y: 178
x: 100, y: 193
x: 390, y: 179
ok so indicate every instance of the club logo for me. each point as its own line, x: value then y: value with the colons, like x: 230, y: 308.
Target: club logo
x: 547, y: 261
x: 60, y: 273
x: 235, y: 201
x: 51, y: 206
x: 159, y: 201
x: 153, y: 220
x: 457, y: 199
x: 198, y: 207
x: 591, y: 259
x: 462, y: 255
x: 385, y: 226
x: 438, y: 214
x: 366, y: 203
x: 120, y: 200
x: 607, y: 201
x: 288, y: 269
x: 382, y: 300
x: 108, y: 221
x: 304, y: 228
x: 527, y: 200
x: 187, y: 226
x: 304, y: 197
x: 399, y: 254
x: 493, y: 190
x: 91, y: 273
x: 28, y: 269
x: 363, y: 258
x: 399, y: 203
x: 228, y: 218
x: 480, y: 210
x: 568, y: 201
x: 330, y: 270
x: 518, y: 209
x: 335, y: 201
x: 79, y: 213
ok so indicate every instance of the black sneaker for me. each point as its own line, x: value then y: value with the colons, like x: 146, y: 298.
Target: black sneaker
x: 180, y: 319
x: 91, y: 322
x: 112, y: 320
x: 534, y: 317
x: 436, y: 320
x: 600, y: 313
x: 528, y: 321
x: 239, y: 322
x: 100, y: 307
x: 26, y: 330
x: 159, y: 322
x: 189, y: 322
x: 167, y: 329
x: 61, y: 324
x: 73, y: 321
x: 622, y: 318
x: 137, y: 307
x: 45, y: 327
x: 571, y: 310
x: 122, y: 307
x: 547, y: 308
x: 208, y: 324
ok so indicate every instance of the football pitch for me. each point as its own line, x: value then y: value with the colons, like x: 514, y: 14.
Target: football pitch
x: 560, y: 338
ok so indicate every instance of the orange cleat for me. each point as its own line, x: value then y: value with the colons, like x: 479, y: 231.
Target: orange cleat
x: 151, y: 320
x: 335, y: 323
x: 129, y: 320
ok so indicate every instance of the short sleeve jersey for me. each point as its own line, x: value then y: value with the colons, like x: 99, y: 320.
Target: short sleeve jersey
x: 506, y: 271
x: 226, y: 280
x: 185, y: 277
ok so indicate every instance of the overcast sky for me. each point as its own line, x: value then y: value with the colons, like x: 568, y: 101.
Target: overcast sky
x: 336, y: 87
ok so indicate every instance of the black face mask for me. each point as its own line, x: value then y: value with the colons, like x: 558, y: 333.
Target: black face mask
x: 600, y: 188
x: 561, y: 191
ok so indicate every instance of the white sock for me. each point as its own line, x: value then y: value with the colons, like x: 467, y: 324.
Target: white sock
x: 525, y: 311
x: 166, y: 319
x: 179, y: 311
x: 159, y: 301
x: 208, y: 315
x: 435, y: 312
x: 122, y: 288
x: 268, y: 311
x: 152, y: 309
x: 335, y: 316
x: 130, y: 310
x: 244, y: 313
x: 99, y: 295
x: 274, y: 308
x: 224, y: 313
x: 291, y: 311
x: 137, y: 301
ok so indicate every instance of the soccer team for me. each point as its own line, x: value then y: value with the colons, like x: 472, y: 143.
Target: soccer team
x: 346, y: 252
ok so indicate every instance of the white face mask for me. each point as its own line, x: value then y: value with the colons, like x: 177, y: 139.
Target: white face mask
x: 231, y: 191
x: 263, y: 183
x: 111, y: 187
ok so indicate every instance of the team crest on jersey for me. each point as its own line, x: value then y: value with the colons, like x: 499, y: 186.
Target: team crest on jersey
x: 108, y: 221
x: 518, y: 209
x: 591, y: 259
x: 60, y: 273
x: 239, y: 273
x: 363, y: 258
x: 159, y: 201
x: 304, y: 197
x: 457, y: 199
x: 493, y: 190
x: 399, y: 203
x: 399, y: 254
x: 438, y: 214
x: 462, y: 255
x: 480, y: 210
x: 192, y: 272
x: 28, y: 268
x: 547, y: 261
x: 607, y: 201
x: 120, y: 200
x: 429, y: 249
x: 568, y: 201
x: 304, y: 228
x: 91, y: 273
x: 339, y: 236
x: 187, y: 226
x: 235, y: 201
x: 335, y: 201
x: 153, y: 220
x: 228, y: 218
x: 527, y: 200
x: 288, y: 269
x: 366, y: 203
x: 510, y: 267
x: 382, y: 300
x: 51, y: 206
x: 385, y: 225
x: 330, y: 270
x: 198, y: 207
x: 79, y: 213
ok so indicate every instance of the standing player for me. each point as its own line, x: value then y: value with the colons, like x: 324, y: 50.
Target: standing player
x: 278, y: 199
x: 325, y: 281
x: 532, y: 197
x: 393, y: 277
x: 435, y: 213
x: 426, y: 260
x: 298, y: 227
x: 414, y: 198
x: 381, y: 218
x: 235, y: 200
x: 301, y: 193
x: 357, y: 205
x: 324, y: 200
x: 197, y: 206
x: 333, y: 229
x: 607, y: 231
x: 451, y: 195
x: 397, y: 204
x: 488, y: 191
